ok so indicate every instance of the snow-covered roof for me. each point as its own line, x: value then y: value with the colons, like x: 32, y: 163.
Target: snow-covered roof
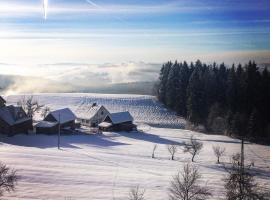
x: 10, y: 114
x: 65, y: 115
x: 120, y: 117
x: 46, y: 124
x: 90, y: 112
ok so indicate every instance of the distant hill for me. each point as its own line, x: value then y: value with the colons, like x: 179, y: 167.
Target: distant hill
x: 146, y: 88
x: 10, y: 84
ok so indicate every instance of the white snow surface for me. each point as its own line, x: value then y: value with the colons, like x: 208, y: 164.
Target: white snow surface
x: 102, y: 167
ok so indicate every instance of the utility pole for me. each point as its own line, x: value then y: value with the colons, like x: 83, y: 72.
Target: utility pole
x: 242, y: 152
x: 242, y: 167
x: 59, y: 129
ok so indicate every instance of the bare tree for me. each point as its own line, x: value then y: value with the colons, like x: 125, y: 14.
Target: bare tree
x: 8, y: 179
x: 45, y: 112
x: 172, y: 148
x: 240, y: 183
x: 219, y: 151
x: 136, y: 193
x: 154, y: 149
x: 184, y: 185
x: 30, y: 105
x: 193, y: 147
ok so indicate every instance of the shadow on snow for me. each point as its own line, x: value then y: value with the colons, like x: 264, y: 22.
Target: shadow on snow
x: 148, y: 138
x: 66, y: 141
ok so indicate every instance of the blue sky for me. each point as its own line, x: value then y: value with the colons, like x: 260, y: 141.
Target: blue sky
x: 129, y: 33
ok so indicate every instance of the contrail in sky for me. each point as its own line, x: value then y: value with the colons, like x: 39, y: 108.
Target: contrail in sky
x: 93, y: 4
x: 99, y: 7
x: 45, y: 7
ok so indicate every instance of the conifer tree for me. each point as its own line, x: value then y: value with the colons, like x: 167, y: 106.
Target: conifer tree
x: 181, y: 89
x: 195, y: 101
x: 163, y: 78
x: 231, y: 93
x: 221, y: 84
x: 252, y: 80
x: 171, y: 85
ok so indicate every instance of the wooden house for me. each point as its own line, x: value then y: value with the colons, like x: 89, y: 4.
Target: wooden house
x: 13, y: 120
x: 93, y: 116
x: 65, y: 117
x: 120, y: 121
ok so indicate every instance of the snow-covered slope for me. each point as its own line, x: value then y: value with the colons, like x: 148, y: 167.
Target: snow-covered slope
x: 106, y: 166
x: 102, y: 167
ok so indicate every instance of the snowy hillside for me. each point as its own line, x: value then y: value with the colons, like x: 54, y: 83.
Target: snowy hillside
x: 144, y: 109
x: 102, y: 167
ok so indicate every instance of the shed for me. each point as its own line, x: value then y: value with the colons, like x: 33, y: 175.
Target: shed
x: 45, y: 127
x: 93, y: 116
x: 65, y: 117
x: 13, y: 120
x: 120, y: 121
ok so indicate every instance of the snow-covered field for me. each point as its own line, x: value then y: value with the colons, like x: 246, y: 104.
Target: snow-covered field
x: 102, y: 167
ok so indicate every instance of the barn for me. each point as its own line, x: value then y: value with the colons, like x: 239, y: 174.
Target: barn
x: 120, y: 121
x: 65, y: 117
x: 93, y: 116
x: 13, y: 119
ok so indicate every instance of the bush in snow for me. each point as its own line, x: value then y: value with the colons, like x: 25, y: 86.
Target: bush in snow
x: 184, y: 185
x: 172, y: 148
x: 8, y: 179
x: 193, y: 147
x: 45, y: 112
x: 219, y: 151
x: 154, y: 149
x: 136, y: 193
x: 240, y: 183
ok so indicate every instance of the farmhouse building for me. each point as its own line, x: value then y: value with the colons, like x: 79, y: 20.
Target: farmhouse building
x: 120, y: 121
x: 94, y: 116
x: 13, y: 119
x: 65, y: 117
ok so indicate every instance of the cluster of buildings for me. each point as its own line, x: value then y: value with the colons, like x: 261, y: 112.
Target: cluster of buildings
x: 14, y: 120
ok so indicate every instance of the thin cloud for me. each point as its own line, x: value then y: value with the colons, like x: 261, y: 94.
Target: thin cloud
x: 60, y: 34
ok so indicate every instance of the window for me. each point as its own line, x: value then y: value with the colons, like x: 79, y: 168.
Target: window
x: 102, y: 112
